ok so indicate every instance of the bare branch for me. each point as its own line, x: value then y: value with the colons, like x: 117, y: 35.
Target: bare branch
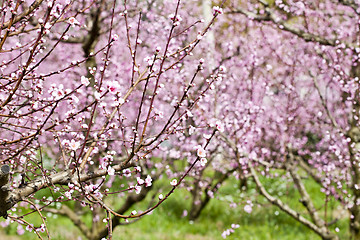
x: 284, y: 207
x: 25, y: 13
x: 305, y: 197
x: 66, y: 211
x: 61, y: 178
x: 269, y: 16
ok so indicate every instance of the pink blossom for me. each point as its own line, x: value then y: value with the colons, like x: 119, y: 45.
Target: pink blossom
x: 210, y: 194
x: 5, y: 223
x: 113, y: 87
x: 20, y: 230
x: 248, y: 208
x: 225, y: 233
x: 234, y: 226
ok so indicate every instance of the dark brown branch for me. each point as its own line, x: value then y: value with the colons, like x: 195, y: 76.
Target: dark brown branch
x: 269, y: 16
x: 25, y: 13
x: 61, y: 178
x: 4, y: 190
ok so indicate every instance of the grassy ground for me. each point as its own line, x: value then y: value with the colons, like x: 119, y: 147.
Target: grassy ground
x: 166, y: 222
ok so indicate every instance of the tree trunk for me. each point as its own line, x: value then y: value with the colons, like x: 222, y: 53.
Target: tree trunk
x: 354, y: 149
x: 197, y: 208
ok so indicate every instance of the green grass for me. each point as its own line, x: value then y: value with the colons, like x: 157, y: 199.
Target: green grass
x: 166, y: 222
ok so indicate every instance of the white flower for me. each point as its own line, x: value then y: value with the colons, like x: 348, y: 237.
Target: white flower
x: 29, y: 227
x: 161, y: 196
x: 85, y: 80
x: 217, y: 10
x: 97, y: 95
x: 137, y: 189
x: 173, y: 182
x: 189, y: 114
x: 111, y: 171
x: 148, y: 181
x: 207, y: 136
x: 22, y: 159
x: 219, y: 126
x: 74, y: 145
x: 115, y: 37
x: 127, y: 172
x: 121, y: 101
x: 191, y: 129
x: 201, y: 152
x: 148, y: 60
x: 203, y: 161
x: 140, y: 181
x: 68, y: 195
x: 58, y: 93
x: 222, y: 69
x: 47, y: 26
x: 73, y: 21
